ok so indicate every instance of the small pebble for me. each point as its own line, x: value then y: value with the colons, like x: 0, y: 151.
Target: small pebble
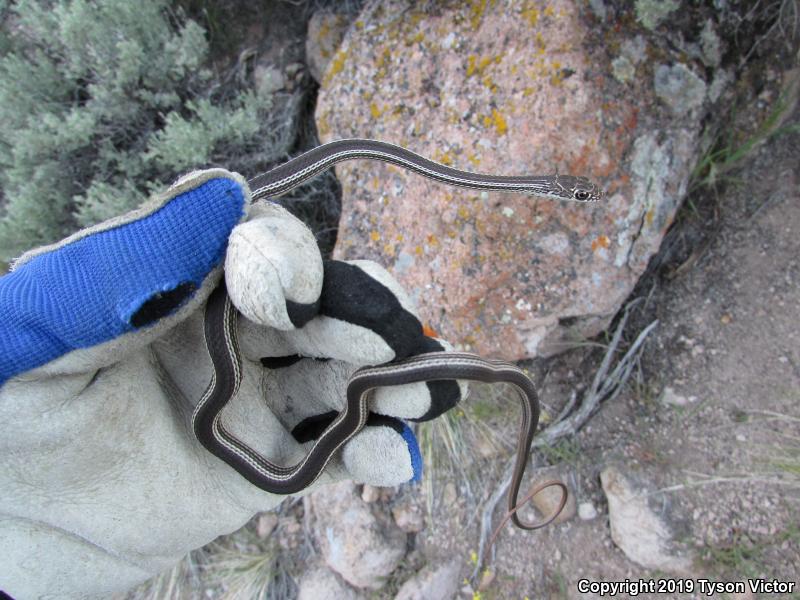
x: 586, y: 511
x: 370, y: 493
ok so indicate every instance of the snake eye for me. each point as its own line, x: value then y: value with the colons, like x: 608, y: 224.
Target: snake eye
x: 581, y: 195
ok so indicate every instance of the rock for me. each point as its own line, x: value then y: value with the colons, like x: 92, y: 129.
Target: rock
x: 679, y: 88
x: 370, y: 493
x: 325, y: 33
x: 440, y: 583
x: 642, y: 535
x: 266, y: 524
x: 449, y: 494
x: 356, y: 539
x: 650, y: 13
x: 321, y: 584
x: 507, y: 92
x: 623, y: 69
x: 586, y: 511
x: 671, y: 398
x: 408, y: 517
x: 711, y: 44
x: 268, y: 79
x: 290, y: 532
x: 547, y: 501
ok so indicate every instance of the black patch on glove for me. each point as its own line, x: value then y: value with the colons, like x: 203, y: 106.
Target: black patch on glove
x: 349, y: 294
x: 311, y: 428
x: 161, y: 304
x: 279, y: 362
x: 300, y: 314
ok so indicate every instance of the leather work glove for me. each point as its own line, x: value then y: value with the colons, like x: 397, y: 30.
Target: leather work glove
x: 102, y: 360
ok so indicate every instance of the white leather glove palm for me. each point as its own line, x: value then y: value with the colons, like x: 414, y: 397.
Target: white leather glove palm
x: 103, y: 483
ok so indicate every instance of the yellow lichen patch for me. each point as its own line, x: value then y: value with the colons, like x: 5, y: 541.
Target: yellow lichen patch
x: 383, y: 58
x: 489, y: 83
x: 477, y: 8
x: 649, y: 216
x: 399, y: 237
x: 477, y: 67
x: 540, y: 44
x: 549, y: 11
x: 497, y: 120
x: 418, y: 250
x: 336, y: 66
x: 471, y: 65
x: 359, y: 24
x: 432, y: 240
x: 531, y: 15
x: 601, y: 241
x: 528, y: 91
x: 374, y: 235
x: 415, y: 39
x: 444, y: 158
x: 473, y: 159
x: 375, y: 110
x: 388, y: 250
x: 463, y: 212
x: 323, y: 125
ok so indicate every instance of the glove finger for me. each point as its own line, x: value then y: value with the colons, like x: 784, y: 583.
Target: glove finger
x: 273, y: 269
x: 298, y: 389
x: 364, y: 317
x: 108, y: 290
x: 384, y: 453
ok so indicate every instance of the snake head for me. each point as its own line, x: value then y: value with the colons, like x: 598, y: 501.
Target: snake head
x: 570, y: 188
x: 578, y: 189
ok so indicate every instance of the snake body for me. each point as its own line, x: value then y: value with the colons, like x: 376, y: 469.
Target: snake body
x: 221, y: 335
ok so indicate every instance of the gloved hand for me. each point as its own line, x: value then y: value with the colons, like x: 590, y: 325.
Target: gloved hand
x: 102, y: 360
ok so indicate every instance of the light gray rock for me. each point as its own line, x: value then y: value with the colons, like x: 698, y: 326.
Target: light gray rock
x: 439, y: 583
x: 321, y: 584
x: 651, y: 13
x: 623, y: 69
x: 408, y: 517
x: 641, y: 534
x: 268, y: 79
x: 679, y: 88
x: 358, y: 540
x: 548, y: 500
x: 711, y: 45
x: 325, y: 33
x: 670, y: 397
x: 586, y: 511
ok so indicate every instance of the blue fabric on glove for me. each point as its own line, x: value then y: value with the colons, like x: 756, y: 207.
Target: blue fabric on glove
x: 86, y: 292
x: 414, y: 453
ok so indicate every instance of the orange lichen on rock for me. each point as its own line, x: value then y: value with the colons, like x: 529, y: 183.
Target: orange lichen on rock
x: 601, y: 241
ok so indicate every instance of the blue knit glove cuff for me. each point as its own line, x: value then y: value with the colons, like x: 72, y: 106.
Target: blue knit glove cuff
x: 92, y: 290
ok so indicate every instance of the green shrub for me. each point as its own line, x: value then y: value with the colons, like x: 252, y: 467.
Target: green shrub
x: 102, y: 101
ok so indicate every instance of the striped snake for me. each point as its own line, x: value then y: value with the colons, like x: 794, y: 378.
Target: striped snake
x: 221, y: 335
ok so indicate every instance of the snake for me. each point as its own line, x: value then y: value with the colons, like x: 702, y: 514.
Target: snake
x: 220, y: 330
